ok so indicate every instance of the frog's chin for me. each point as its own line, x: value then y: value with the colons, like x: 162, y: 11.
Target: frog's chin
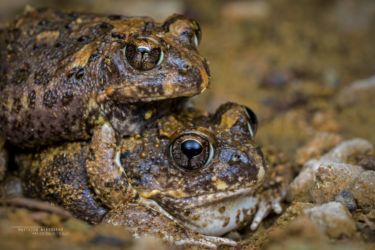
x: 216, y: 214
x: 219, y: 219
x: 143, y: 93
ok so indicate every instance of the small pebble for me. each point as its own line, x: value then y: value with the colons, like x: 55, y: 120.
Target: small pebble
x: 346, y: 198
x: 233, y: 235
x: 333, y: 219
x: 322, y: 180
x: 348, y: 149
x: 331, y: 179
x: 367, y: 162
x: 364, y: 190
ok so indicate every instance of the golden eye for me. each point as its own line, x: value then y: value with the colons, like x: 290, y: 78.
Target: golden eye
x: 144, y: 54
x: 191, y: 151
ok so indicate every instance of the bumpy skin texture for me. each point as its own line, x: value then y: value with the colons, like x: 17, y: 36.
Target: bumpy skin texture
x: 61, y: 74
x: 221, y: 186
x: 59, y: 175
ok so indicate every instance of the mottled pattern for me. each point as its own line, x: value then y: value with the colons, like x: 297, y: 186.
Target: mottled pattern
x: 62, y: 179
x: 233, y: 187
x: 59, y: 70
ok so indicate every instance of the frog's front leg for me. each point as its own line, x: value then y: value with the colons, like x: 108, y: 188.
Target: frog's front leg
x: 105, y: 174
x: 142, y: 220
x: 272, y: 193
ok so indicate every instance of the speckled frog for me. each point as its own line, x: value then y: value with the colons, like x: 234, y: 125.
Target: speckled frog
x: 62, y: 74
x: 188, y: 179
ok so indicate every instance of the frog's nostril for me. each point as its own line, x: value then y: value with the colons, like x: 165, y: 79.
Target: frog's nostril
x: 186, y: 67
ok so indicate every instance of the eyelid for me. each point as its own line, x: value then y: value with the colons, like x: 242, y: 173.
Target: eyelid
x: 203, y: 132
x: 195, y: 41
x: 251, y: 130
x: 252, y: 123
x: 161, y: 57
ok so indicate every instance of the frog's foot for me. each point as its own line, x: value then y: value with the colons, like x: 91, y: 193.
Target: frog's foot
x: 211, y: 242
x: 265, y: 207
x: 274, y: 189
x: 141, y: 220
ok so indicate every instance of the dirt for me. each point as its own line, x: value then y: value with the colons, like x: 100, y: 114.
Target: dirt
x: 294, y: 63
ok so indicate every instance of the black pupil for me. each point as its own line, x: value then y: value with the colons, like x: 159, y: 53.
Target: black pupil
x: 191, y: 148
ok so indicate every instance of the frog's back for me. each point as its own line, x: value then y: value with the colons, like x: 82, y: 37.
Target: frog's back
x: 40, y: 89
x: 50, y: 68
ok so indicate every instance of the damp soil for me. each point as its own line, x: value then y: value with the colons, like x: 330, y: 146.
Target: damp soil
x: 305, y: 67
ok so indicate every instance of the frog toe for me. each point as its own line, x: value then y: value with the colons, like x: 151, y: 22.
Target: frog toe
x: 210, y: 242
x: 276, y: 206
x: 219, y: 241
x: 264, y: 208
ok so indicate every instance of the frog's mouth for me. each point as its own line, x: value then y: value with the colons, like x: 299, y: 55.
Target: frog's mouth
x: 133, y: 94
x: 212, y: 214
x: 148, y: 90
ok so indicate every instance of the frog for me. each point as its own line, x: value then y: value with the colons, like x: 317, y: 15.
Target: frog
x: 189, y: 178
x: 64, y: 73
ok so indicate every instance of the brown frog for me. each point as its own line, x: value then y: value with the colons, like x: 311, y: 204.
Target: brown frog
x: 64, y: 73
x: 188, y: 179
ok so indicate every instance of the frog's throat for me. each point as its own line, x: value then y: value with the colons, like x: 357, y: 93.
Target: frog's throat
x: 219, y: 218
x: 211, y: 214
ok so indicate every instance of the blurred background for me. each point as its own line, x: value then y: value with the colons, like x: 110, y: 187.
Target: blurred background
x: 303, y: 66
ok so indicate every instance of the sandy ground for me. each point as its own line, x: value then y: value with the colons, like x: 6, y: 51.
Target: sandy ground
x: 304, y: 67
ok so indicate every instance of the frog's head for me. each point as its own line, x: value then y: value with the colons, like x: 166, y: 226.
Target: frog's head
x: 146, y: 61
x: 204, y: 171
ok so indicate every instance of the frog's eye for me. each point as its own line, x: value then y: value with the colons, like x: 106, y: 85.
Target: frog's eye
x: 252, y: 121
x: 188, y: 31
x: 143, y: 54
x: 191, y: 151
